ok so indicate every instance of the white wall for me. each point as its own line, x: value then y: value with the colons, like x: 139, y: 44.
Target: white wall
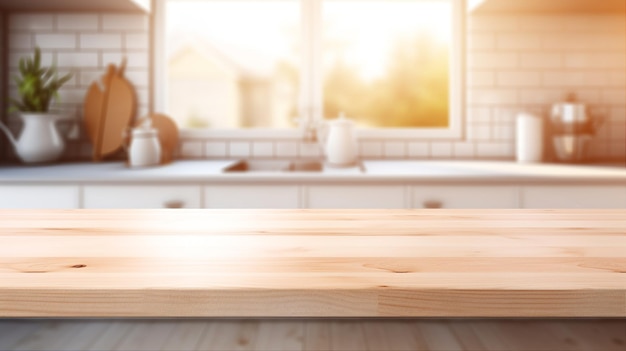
x: 514, y: 63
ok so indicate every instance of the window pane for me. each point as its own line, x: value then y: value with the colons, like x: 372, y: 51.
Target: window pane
x: 386, y: 62
x: 233, y: 64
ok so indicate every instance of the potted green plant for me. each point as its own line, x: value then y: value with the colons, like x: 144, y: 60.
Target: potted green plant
x: 40, y: 140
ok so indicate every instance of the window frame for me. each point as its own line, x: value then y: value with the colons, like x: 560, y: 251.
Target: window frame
x: 311, y: 89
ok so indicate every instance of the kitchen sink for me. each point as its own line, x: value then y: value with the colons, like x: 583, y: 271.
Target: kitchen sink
x: 274, y: 166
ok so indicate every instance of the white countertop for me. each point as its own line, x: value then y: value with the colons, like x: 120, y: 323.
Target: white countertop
x: 209, y: 171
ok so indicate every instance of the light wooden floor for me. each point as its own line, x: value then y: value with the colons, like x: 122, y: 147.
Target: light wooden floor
x: 314, y: 334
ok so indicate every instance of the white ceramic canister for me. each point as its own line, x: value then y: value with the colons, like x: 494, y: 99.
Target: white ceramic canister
x: 144, y: 149
x: 341, y: 145
x: 529, y: 138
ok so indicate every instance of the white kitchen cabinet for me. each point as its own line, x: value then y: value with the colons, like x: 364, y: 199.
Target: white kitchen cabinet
x: 355, y: 196
x: 587, y: 196
x: 141, y: 196
x: 39, y: 196
x: 252, y: 196
x: 546, y: 7
x: 76, y: 5
x: 468, y: 196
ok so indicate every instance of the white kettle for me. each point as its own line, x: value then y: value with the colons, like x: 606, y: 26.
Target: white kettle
x: 341, y: 145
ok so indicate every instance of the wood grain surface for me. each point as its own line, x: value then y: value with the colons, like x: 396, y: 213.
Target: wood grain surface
x: 310, y: 263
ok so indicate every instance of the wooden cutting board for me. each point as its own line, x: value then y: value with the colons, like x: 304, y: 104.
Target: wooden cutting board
x: 168, y: 134
x: 108, y: 111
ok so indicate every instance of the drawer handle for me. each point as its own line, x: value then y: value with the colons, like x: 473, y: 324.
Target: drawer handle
x: 432, y: 204
x: 174, y: 204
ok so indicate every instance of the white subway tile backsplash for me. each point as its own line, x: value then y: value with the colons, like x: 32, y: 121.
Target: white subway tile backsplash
x: 519, y: 41
x: 492, y: 96
x: 479, y: 132
x: 440, y: 149
x: 597, y: 23
x: 77, y: 59
x: 133, y: 59
x: 540, y: 23
x: 541, y: 96
x: 588, y: 96
x: 286, y: 149
x: 618, y: 131
x: 143, y: 95
x: 598, y: 149
x: 371, y: 149
x: 136, y: 41
x: 617, y: 150
x: 139, y: 79
x: 31, y: 22
x: 419, y: 149
x: 493, y: 60
x: 504, y: 115
x: 14, y: 58
x: 481, y: 41
x: 191, y: 149
x: 559, y: 41
x: 74, y: 41
x: 478, y: 115
x: 124, y: 22
x: 481, y: 79
x: 394, y: 149
x: 495, y: 150
x: 308, y: 150
x: 20, y: 41
x: 263, y: 149
x: 463, y: 150
x: 519, y: 79
x: 55, y: 41
x: 617, y: 78
x: 575, y: 79
x: 613, y: 96
x: 541, y: 60
x: 239, y: 149
x: 503, y: 132
x: 595, y: 60
x: 71, y: 95
x: 101, y: 41
x: 493, y: 23
x: 617, y: 114
x: 216, y: 149
x: 85, y: 78
x: 77, y: 22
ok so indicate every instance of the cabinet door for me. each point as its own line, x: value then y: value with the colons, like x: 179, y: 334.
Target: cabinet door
x: 467, y: 196
x: 144, y: 196
x: 595, y: 196
x: 352, y: 196
x: 39, y: 196
x: 251, y: 196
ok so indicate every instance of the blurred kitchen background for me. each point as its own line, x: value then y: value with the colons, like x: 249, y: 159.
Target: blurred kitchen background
x: 519, y: 56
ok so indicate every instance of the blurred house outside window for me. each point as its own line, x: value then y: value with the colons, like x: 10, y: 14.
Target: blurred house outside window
x: 265, y: 63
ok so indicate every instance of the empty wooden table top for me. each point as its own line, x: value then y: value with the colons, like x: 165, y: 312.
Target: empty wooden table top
x: 328, y: 263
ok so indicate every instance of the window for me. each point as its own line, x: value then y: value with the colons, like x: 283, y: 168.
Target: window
x: 391, y: 65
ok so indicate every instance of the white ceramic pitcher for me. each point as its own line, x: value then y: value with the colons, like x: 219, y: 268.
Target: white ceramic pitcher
x: 40, y: 140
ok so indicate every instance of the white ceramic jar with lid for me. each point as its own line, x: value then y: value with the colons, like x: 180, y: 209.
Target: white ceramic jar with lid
x: 144, y: 149
x: 341, y: 145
